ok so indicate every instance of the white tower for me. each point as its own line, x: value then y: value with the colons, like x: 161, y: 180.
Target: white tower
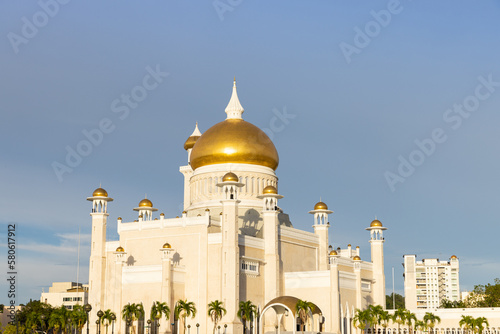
x: 270, y: 213
x: 230, y: 251
x: 321, y: 226
x: 97, y: 263
x: 377, y: 251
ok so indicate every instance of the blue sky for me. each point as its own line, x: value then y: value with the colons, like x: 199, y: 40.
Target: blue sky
x: 355, y: 116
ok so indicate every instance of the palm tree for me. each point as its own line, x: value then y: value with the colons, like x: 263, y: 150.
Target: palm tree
x: 467, y: 322
x: 410, y: 319
x: 376, y: 312
x: 79, y: 317
x: 107, y: 318
x: 133, y: 312
x: 303, y: 308
x: 184, y: 309
x: 430, y: 320
x: 33, y: 320
x: 216, y: 311
x: 479, y: 324
x: 56, y: 321
x: 157, y: 310
x: 246, y: 312
x: 399, y: 317
x: 362, y: 319
x: 384, y: 318
x: 420, y: 325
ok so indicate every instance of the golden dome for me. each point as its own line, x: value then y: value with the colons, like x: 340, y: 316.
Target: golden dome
x: 190, y: 142
x: 207, y: 210
x: 376, y: 223
x: 146, y: 203
x: 320, y: 206
x: 234, y: 141
x: 230, y: 177
x: 454, y: 257
x: 120, y: 249
x: 100, y: 192
x: 166, y: 245
x: 356, y: 258
x: 333, y: 252
x: 119, y: 218
x: 270, y: 190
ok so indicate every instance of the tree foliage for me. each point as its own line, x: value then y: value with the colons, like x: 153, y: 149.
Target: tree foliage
x: 400, y: 301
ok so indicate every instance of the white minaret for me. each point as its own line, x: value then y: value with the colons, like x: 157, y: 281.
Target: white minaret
x: 97, y: 263
x: 167, y: 283
x: 377, y: 251
x: 146, y: 210
x: 335, y: 315
x: 234, y: 110
x: 270, y: 212
x: 230, y: 251
x: 116, y: 282
x: 321, y: 226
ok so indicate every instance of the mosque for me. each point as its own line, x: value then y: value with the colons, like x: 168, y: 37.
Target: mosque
x: 233, y: 242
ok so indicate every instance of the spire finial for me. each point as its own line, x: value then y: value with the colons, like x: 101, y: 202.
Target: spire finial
x: 145, y: 195
x: 196, y: 132
x: 234, y: 108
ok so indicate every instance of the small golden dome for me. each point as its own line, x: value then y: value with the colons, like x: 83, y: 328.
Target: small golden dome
x: 162, y: 214
x: 190, y: 142
x: 207, y: 210
x: 356, y: 258
x: 119, y: 218
x: 234, y: 141
x: 184, y: 212
x: 333, y: 252
x: 349, y: 245
x: 120, y: 249
x: 270, y: 190
x: 146, y: 203
x: 100, y: 192
x: 230, y: 177
x: 376, y: 223
x: 198, y: 215
x: 454, y: 257
x: 166, y: 245
x: 140, y: 216
x: 320, y: 206
x: 156, y: 219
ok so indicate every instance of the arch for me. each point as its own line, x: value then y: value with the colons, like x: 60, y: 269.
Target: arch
x: 282, y: 304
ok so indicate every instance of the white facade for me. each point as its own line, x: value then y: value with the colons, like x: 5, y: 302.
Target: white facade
x: 231, y: 243
x: 67, y: 294
x: 429, y: 281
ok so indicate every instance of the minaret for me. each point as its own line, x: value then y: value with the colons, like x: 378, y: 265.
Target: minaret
x: 146, y: 210
x: 377, y: 251
x: 187, y: 171
x: 334, y: 292
x: 270, y: 213
x: 230, y: 251
x: 321, y: 226
x: 357, y: 271
x: 97, y: 263
x: 116, y: 283
x: 234, y: 110
x: 166, y: 282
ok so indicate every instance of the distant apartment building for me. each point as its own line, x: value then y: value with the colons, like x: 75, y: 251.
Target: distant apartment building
x: 429, y: 281
x: 67, y: 294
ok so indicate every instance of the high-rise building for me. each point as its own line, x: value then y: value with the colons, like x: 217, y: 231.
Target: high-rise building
x: 429, y: 281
